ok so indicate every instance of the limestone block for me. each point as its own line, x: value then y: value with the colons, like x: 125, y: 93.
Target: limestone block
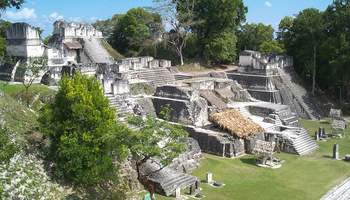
x: 164, y: 63
x: 121, y: 87
x: 153, y: 64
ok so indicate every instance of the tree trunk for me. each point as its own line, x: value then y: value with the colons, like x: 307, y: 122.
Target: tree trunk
x: 181, y: 59
x: 27, y: 96
x: 314, y: 73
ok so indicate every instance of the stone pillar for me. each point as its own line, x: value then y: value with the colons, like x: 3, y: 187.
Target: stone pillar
x: 336, y: 151
x: 317, y: 136
x: 178, y: 193
x: 323, y: 132
x: 209, y: 178
x: 193, y: 189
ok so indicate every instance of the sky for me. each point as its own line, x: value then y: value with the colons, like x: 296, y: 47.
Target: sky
x: 43, y: 13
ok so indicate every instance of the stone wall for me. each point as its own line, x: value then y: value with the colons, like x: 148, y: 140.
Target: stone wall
x: 75, y: 30
x: 217, y: 143
x: 23, y: 40
x: 186, y: 104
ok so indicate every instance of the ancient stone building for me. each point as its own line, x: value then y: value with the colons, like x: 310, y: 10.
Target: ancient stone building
x: 271, y: 78
x: 74, y: 43
x: 23, y: 40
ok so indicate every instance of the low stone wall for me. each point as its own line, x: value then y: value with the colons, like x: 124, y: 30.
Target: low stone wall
x: 216, y: 143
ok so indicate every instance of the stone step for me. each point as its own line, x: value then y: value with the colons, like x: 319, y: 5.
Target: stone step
x: 178, y: 181
x: 340, y: 192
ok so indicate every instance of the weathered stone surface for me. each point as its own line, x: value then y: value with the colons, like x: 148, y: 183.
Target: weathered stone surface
x: 24, y: 40
x: 217, y: 143
x: 165, y: 180
x: 187, y: 107
x: 188, y: 161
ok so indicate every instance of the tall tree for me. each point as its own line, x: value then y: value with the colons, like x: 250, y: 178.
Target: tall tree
x: 304, y: 39
x: 251, y: 36
x: 216, y: 17
x: 179, y: 14
x: 107, y: 26
x: 32, y: 70
x: 83, y: 132
x: 134, y: 28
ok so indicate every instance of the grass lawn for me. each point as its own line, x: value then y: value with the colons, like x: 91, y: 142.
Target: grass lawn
x: 14, y: 89
x: 304, y: 178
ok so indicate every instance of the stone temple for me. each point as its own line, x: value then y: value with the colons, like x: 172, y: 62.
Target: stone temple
x: 225, y: 112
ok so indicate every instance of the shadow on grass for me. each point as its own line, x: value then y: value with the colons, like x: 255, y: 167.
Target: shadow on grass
x: 327, y: 156
x: 249, y: 161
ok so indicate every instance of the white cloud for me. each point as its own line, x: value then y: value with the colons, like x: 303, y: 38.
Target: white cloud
x: 55, y: 16
x: 268, y: 4
x: 23, y: 14
x: 93, y: 19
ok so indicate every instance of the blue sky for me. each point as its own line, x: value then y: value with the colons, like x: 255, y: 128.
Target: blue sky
x: 44, y: 12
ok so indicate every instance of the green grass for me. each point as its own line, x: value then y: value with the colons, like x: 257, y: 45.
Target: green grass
x: 304, y: 178
x: 17, y: 117
x: 114, y: 53
x: 17, y: 92
x: 14, y: 89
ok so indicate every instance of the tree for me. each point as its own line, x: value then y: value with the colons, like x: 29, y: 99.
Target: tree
x: 156, y: 139
x: 303, y: 39
x: 133, y: 29
x: 83, y: 131
x: 284, y: 29
x: 4, y: 4
x: 222, y: 48
x: 107, y: 26
x: 179, y: 14
x: 32, y: 69
x: 251, y: 36
x: 271, y: 47
x: 47, y: 39
x: 216, y: 17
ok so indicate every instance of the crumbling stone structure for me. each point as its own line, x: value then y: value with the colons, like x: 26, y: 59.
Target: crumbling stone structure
x: 269, y: 78
x: 23, y: 40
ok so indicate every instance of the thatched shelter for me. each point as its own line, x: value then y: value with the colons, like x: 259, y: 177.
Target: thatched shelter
x: 236, y: 124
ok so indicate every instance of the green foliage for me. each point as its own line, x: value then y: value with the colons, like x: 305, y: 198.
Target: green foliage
x: 7, y: 147
x: 4, y: 4
x: 47, y: 39
x: 252, y: 36
x: 83, y: 132
x: 135, y: 30
x: 107, y: 26
x: 221, y: 48
x: 217, y: 18
x: 3, y: 26
x: 271, y: 47
x: 156, y: 139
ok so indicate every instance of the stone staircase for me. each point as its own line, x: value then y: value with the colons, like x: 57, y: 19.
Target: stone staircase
x: 300, y: 93
x: 302, y: 142
x: 177, y: 180
x: 340, y: 192
x: 120, y: 103
x: 180, y: 76
x: 96, y: 52
x: 244, y: 111
x: 157, y: 76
